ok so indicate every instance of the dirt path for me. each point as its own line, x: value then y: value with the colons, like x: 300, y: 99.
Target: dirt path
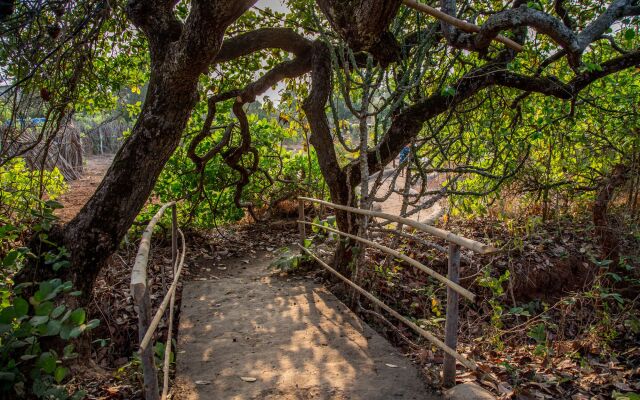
x: 81, y: 189
x: 290, y: 337
x: 393, y: 204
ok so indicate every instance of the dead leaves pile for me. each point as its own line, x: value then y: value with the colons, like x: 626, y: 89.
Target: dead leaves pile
x: 551, y: 265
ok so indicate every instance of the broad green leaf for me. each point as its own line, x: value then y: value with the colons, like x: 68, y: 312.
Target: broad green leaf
x: 60, y: 373
x: 47, y: 362
x: 78, y: 316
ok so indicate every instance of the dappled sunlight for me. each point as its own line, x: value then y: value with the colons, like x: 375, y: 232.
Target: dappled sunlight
x: 293, y: 337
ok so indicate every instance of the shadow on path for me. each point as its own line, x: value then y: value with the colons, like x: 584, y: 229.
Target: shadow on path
x: 294, y: 337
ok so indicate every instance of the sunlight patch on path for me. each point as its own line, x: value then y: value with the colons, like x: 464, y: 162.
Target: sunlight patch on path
x: 292, y: 336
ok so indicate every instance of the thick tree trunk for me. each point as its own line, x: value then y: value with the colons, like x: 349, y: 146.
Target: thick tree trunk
x: 180, y: 52
x: 95, y: 233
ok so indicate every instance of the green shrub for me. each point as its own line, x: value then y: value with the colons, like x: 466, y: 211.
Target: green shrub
x: 32, y: 314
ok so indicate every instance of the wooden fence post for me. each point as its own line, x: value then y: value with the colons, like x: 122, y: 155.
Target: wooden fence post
x: 143, y: 304
x: 174, y: 237
x: 451, y: 324
x: 301, y: 226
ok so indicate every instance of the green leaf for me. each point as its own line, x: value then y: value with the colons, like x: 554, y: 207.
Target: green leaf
x: 93, y: 323
x: 625, y: 396
x: 44, y: 292
x: 629, y: 34
x: 65, y: 331
x: 10, y: 258
x: 67, y: 352
x: 77, y: 331
x: 21, y: 307
x: 58, y: 311
x: 38, y: 320
x: 538, y: 333
x: 60, y: 373
x: 60, y: 264
x: 7, y: 315
x: 47, y: 362
x: 53, y: 328
x: 78, y: 316
x: 44, y: 308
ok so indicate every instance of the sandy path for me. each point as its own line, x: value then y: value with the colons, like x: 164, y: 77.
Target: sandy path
x: 292, y: 336
x: 393, y: 204
x: 81, y: 189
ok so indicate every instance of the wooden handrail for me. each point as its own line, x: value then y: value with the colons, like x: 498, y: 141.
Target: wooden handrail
x: 451, y: 281
x: 425, y: 334
x: 177, y: 268
x: 459, y: 289
x: 163, y: 306
x: 142, y: 301
x: 441, y: 233
x: 458, y: 23
x: 139, y: 271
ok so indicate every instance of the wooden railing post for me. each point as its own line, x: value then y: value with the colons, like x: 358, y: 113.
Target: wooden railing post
x: 143, y: 304
x: 451, y: 324
x: 174, y: 237
x: 301, y: 226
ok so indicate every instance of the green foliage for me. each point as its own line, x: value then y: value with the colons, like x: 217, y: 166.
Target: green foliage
x: 209, y: 196
x: 289, y: 260
x: 625, y: 396
x: 497, y: 290
x: 21, y: 191
x: 32, y: 314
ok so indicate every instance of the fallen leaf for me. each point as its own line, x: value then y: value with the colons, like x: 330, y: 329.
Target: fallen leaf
x: 248, y: 379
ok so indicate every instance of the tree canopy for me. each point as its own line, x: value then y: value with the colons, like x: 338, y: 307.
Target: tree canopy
x: 361, y: 80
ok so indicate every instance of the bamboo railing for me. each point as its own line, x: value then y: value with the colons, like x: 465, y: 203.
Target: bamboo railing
x: 451, y: 281
x: 142, y: 303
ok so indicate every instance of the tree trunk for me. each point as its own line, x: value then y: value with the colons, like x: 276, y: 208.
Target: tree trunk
x: 95, y: 233
x: 180, y: 52
x: 338, y: 183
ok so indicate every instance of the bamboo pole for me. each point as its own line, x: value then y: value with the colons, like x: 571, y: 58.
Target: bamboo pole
x: 458, y: 23
x: 301, y: 229
x: 451, y: 324
x: 453, y: 285
x: 167, y: 347
x: 141, y: 300
x: 437, y: 342
x: 174, y: 240
x: 144, y: 343
x: 441, y: 233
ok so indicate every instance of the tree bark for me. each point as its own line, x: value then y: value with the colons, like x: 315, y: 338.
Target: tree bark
x: 340, y: 189
x: 95, y: 233
x: 180, y: 53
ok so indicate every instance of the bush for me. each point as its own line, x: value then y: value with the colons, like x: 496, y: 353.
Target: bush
x: 33, y: 314
x: 21, y: 193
